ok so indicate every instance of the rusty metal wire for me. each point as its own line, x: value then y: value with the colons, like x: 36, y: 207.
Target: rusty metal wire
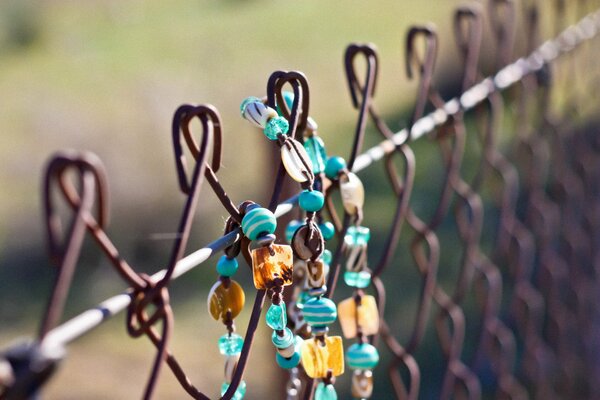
x: 535, y: 288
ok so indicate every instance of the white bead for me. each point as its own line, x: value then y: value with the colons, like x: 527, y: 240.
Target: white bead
x: 288, y: 351
x: 311, y: 125
x: 230, y: 365
x: 362, y: 384
x: 353, y: 193
x: 292, y: 155
x: 258, y: 114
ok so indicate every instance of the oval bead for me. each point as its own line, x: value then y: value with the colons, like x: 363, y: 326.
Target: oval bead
x: 222, y: 299
x: 334, y: 166
x: 357, y: 279
x: 291, y: 228
x: 256, y: 112
x: 362, y: 356
x: 352, y: 192
x: 258, y: 220
x: 282, y: 342
x: 311, y: 200
x: 319, y: 311
x: 239, y: 393
x: 316, y: 151
x: 231, y: 344
x: 230, y: 366
x: 294, y: 157
x: 325, y: 392
x: 362, y: 384
x: 316, y: 276
x: 227, y: 266
x: 327, y: 230
x: 276, y: 316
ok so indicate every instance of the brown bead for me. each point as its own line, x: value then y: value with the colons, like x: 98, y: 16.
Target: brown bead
x: 318, y: 358
x: 316, y: 273
x: 266, y: 267
x: 366, y: 314
x: 362, y: 383
x: 222, y: 299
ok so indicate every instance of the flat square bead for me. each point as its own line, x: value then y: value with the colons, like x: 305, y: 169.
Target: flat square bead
x: 317, y: 358
x: 367, y: 314
x: 266, y: 268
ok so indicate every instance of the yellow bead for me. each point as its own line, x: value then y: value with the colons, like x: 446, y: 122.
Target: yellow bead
x: 317, y: 358
x: 222, y: 299
x: 267, y: 267
x: 366, y: 314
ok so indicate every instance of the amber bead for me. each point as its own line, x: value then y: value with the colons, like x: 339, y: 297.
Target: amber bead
x: 366, y: 314
x: 318, y: 358
x: 266, y: 267
x: 223, y: 298
x: 362, y: 383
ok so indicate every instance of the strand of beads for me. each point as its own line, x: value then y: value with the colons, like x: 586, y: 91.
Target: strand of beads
x: 359, y: 316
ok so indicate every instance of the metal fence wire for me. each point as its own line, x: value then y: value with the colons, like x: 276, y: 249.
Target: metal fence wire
x: 527, y: 298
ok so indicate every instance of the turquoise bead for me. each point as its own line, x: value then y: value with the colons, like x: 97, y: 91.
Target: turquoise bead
x: 231, y: 345
x: 357, y: 235
x: 357, y: 279
x: 247, y: 101
x: 239, y: 393
x: 326, y: 257
x: 327, y: 230
x: 285, y: 341
x: 276, y: 316
x: 303, y: 297
x: 319, y: 311
x: 288, y: 97
x: 311, y: 200
x: 227, y: 266
x: 275, y: 127
x: 291, y: 228
x: 294, y: 360
x: 258, y: 220
x: 315, y: 148
x: 362, y: 356
x: 325, y: 392
x: 334, y: 166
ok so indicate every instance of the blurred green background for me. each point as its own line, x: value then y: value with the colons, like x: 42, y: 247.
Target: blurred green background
x: 107, y: 75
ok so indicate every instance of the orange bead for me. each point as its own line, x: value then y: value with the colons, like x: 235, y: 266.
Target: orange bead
x: 366, y: 314
x: 318, y: 358
x: 267, y: 267
x: 222, y: 299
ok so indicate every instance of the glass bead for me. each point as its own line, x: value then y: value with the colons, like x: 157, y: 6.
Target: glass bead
x: 327, y: 230
x: 319, y: 311
x: 256, y: 112
x: 362, y: 383
x: 352, y: 192
x: 266, y: 268
x: 311, y: 200
x: 316, y: 151
x: 325, y: 392
x: 227, y: 266
x: 302, y: 299
x: 294, y: 158
x: 334, y: 166
x: 231, y: 344
x: 357, y: 235
x: 276, y: 316
x: 317, y: 358
x: 291, y: 228
x: 276, y: 126
x: 315, y: 276
x: 357, y: 279
x: 294, y: 359
x: 258, y: 221
x: 366, y: 315
x: 326, y: 257
x: 239, y: 393
x: 222, y: 299
x: 282, y: 342
x: 362, y: 356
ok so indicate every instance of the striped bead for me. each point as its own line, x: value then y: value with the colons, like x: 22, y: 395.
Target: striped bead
x: 362, y: 356
x: 283, y: 342
x: 258, y: 220
x: 293, y: 359
x: 320, y: 311
x: 311, y: 200
x: 296, y: 161
x: 256, y: 112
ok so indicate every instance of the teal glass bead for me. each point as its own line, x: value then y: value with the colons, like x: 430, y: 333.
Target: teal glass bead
x: 303, y: 297
x: 311, y: 200
x: 239, y: 393
x: 227, y: 266
x: 231, y: 344
x: 288, y: 97
x: 282, y: 342
x: 319, y: 311
x: 257, y: 221
x: 315, y: 148
x: 294, y: 360
x: 357, y: 235
x: 247, y: 101
x: 291, y: 228
x: 327, y: 230
x: 275, y: 127
x: 334, y: 166
x: 326, y: 257
x: 357, y: 279
x: 276, y: 316
x: 362, y: 356
x: 325, y: 392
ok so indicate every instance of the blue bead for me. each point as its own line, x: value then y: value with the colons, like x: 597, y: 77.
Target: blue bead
x: 362, y: 356
x: 326, y: 257
x: 276, y: 316
x: 275, y: 127
x: 257, y: 221
x: 334, y: 166
x: 357, y: 279
x: 227, y: 266
x: 231, y: 345
x: 285, y: 341
x: 288, y: 363
x: 319, y: 311
x: 325, y: 392
x: 311, y: 200
x: 327, y: 230
x: 291, y: 228
x: 315, y: 148
x: 239, y: 393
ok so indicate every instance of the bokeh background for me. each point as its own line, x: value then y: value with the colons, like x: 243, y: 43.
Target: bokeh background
x: 107, y: 75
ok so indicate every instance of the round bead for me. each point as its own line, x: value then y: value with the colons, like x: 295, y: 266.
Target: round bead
x: 239, y: 393
x: 282, y: 342
x: 311, y: 200
x: 222, y: 299
x: 227, y: 266
x: 325, y: 392
x: 326, y: 257
x: 352, y: 192
x: 276, y: 316
x: 327, y: 230
x: 320, y: 311
x: 231, y: 344
x: 294, y: 158
x: 362, y: 356
x: 276, y: 126
x: 334, y: 166
x: 258, y: 220
x: 357, y: 279
x: 288, y: 363
x: 291, y: 228
x: 256, y: 112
